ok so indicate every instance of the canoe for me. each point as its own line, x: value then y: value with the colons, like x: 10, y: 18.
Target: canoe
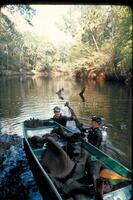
x: 121, y: 189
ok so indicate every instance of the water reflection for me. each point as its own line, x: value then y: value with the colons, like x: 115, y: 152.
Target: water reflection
x: 24, y: 97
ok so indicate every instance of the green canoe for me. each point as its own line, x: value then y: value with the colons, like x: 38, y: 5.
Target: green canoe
x: 122, y: 189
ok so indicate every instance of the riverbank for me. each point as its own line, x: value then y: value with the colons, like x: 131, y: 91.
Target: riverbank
x: 85, y: 71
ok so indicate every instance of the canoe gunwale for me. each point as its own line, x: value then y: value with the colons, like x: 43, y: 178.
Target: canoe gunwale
x: 26, y: 143
x: 89, y: 147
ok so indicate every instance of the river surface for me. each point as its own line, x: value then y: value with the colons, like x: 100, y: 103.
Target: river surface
x: 22, y: 98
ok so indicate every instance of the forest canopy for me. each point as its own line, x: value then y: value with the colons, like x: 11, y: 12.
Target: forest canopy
x: 100, y: 34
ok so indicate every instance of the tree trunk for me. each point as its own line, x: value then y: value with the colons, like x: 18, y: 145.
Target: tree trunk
x: 94, y: 39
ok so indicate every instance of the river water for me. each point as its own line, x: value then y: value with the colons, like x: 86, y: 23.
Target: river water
x: 22, y: 98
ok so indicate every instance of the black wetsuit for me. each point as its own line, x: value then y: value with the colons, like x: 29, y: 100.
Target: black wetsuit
x: 62, y: 119
x: 95, y: 136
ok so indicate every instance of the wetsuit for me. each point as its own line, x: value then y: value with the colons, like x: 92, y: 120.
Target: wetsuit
x: 62, y: 119
x: 95, y: 136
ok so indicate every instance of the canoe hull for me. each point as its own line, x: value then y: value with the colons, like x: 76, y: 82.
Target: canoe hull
x: 48, y: 189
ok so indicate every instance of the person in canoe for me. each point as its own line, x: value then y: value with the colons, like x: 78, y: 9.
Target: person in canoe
x: 94, y: 135
x: 59, y: 118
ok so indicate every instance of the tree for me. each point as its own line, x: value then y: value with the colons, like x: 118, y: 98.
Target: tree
x: 25, y: 10
x: 123, y: 37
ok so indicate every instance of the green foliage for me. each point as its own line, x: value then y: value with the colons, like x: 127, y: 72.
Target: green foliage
x: 95, y: 24
x: 123, y: 38
x: 70, y: 21
x: 96, y: 31
x: 100, y: 25
x: 25, y: 10
x: 11, y: 41
x: 26, y: 51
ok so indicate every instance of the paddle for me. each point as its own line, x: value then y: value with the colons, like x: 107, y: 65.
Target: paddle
x: 78, y: 124
x: 88, y: 119
x: 82, y: 118
x: 109, y: 174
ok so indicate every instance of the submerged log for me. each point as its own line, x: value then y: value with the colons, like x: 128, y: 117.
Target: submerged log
x: 59, y: 93
x: 81, y: 94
